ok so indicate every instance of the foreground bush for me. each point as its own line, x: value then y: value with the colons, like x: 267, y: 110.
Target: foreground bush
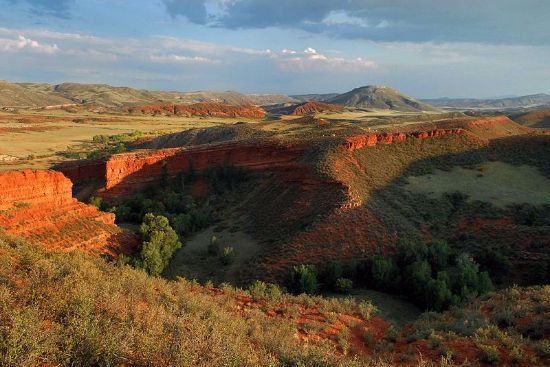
x: 74, y: 310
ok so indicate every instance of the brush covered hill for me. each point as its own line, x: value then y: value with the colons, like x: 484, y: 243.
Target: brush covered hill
x: 380, y: 97
x: 205, y: 109
x: 110, y: 96
x: 536, y: 119
x: 15, y: 95
x: 71, y: 309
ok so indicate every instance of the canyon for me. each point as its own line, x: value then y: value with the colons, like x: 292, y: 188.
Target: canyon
x: 312, y: 194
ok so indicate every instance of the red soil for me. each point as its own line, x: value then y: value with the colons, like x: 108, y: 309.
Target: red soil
x: 38, y: 205
x: 315, y: 107
x: 209, y: 109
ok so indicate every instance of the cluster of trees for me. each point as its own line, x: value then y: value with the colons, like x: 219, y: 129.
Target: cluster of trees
x: 167, y: 212
x: 431, y: 274
x: 185, y: 215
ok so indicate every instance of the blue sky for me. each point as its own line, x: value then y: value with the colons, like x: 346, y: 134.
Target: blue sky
x: 426, y: 48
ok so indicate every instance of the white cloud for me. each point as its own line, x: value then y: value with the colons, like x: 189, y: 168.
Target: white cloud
x: 341, y: 17
x: 311, y: 60
x: 24, y: 43
x: 183, y: 59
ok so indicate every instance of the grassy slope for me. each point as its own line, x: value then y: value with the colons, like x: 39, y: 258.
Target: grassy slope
x: 473, y: 225
x: 69, y: 309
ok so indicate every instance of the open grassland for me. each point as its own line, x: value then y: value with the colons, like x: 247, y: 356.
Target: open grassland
x: 498, y: 183
x: 36, y: 138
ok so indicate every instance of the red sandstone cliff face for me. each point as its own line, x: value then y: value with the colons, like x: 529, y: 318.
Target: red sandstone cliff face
x: 38, y: 205
x: 207, y: 109
x: 79, y: 171
x: 130, y: 171
x: 369, y: 140
x: 315, y: 107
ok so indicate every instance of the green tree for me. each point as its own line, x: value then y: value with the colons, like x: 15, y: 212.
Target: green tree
x: 438, y: 255
x: 438, y: 295
x: 384, y: 273
x: 159, y: 242
x: 417, y: 276
x: 409, y: 251
x: 303, y: 279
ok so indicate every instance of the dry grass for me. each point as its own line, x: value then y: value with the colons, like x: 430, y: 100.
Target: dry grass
x: 60, y: 129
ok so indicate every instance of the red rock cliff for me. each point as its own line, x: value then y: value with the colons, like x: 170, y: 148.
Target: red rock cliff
x: 38, y: 205
x: 369, y: 140
x: 129, y: 171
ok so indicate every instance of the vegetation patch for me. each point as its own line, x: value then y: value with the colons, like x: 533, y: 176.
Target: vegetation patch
x: 498, y: 183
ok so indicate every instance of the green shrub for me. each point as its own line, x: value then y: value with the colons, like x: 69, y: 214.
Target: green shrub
x: 303, y: 279
x: 98, y: 203
x: 516, y: 355
x: 159, y: 242
x: 489, y: 354
x: 228, y: 255
x: 384, y: 273
x: 260, y: 289
x: 543, y: 348
x: 214, y: 247
x: 343, y: 285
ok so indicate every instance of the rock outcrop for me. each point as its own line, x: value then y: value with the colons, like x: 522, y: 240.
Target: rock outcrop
x: 204, y: 109
x: 369, y: 140
x: 38, y: 205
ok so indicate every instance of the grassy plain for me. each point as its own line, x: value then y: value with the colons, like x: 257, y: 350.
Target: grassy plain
x: 498, y: 183
x: 37, y: 138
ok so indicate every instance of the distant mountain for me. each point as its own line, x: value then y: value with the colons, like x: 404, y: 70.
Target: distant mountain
x: 14, y: 95
x: 313, y: 97
x: 533, y: 100
x: 381, y: 97
x: 39, y: 95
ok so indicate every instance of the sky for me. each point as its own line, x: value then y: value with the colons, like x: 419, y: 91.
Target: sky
x: 425, y: 48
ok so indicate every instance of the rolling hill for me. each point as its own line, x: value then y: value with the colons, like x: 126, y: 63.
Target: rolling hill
x: 41, y: 94
x: 532, y: 100
x: 381, y: 97
x: 14, y: 95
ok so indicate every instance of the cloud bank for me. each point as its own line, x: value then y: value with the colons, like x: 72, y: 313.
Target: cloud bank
x: 487, y: 21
